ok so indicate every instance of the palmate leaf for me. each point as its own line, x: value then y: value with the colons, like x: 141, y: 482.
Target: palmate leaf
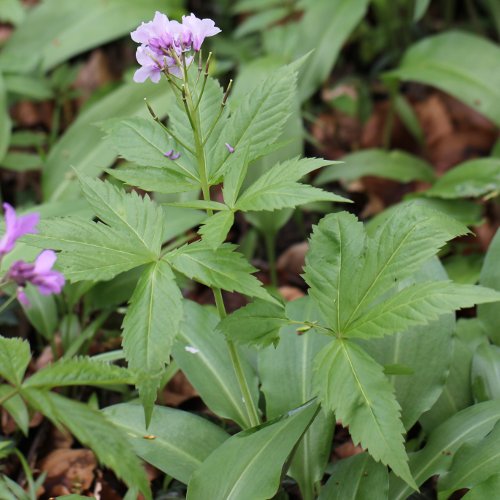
x: 140, y: 217
x: 93, y: 429
x: 258, y: 323
x: 89, y: 250
x: 222, y: 268
x: 157, y: 179
x: 150, y: 327
x: 417, y: 304
x: 214, y: 230
x: 144, y: 142
x: 257, y: 122
x: 278, y: 187
x: 347, y: 270
x: 354, y: 386
x: 79, y: 371
x: 15, y: 356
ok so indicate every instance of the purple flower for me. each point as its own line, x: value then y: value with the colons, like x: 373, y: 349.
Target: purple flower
x: 15, y: 227
x: 198, y: 29
x: 39, y: 274
x: 229, y: 147
x: 163, y: 42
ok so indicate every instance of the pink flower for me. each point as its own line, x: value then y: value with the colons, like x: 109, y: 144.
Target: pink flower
x: 15, y: 227
x: 39, y: 274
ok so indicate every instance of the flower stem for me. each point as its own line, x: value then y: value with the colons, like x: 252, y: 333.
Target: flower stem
x: 253, y: 416
x: 7, y: 303
x: 271, y: 257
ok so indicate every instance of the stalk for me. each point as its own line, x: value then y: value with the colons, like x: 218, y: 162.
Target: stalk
x: 253, y: 415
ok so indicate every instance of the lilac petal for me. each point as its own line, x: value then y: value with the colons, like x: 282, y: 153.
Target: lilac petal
x: 22, y: 297
x: 27, y: 223
x: 15, y: 227
x: 45, y: 261
x: 175, y: 156
x: 229, y: 147
x: 142, y: 74
x: 155, y: 75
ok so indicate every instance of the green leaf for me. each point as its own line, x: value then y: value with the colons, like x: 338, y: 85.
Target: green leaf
x: 55, y: 31
x: 175, y: 442
x: 347, y: 271
x: 473, y: 463
x: 203, y: 356
x: 261, y: 452
x: 78, y: 371
x: 358, y: 476
x: 41, y: 312
x: 15, y: 356
x: 199, y: 204
x: 456, y: 394
x: 469, y: 74
x: 421, y: 7
x: 424, y: 352
x: 21, y: 162
x: 236, y: 171
x: 490, y: 277
x: 222, y: 268
x: 31, y: 87
x: 138, y: 216
x: 292, y: 360
x: 5, y: 121
x: 90, y: 251
x: 158, y: 179
x: 278, y: 187
x: 83, y: 148
x: 145, y: 143
x: 485, y: 373
x: 487, y: 489
x: 324, y: 28
x: 417, y: 304
x: 12, y: 12
x: 258, y: 323
x: 471, y: 179
x: 354, y: 386
x: 257, y: 122
x: 469, y: 425
x: 93, y: 429
x: 16, y: 408
x: 214, y: 230
x: 150, y: 327
x: 396, y: 165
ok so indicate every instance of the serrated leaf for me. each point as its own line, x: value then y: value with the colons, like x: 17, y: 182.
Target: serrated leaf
x: 353, y: 385
x: 15, y: 356
x: 230, y: 471
x: 93, y: 429
x: 145, y: 143
x: 487, y: 489
x: 258, y: 323
x: 90, y: 251
x: 417, y: 304
x: 355, y: 477
x: 203, y: 356
x: 347, y: 271
x: 150, y: 327
x: 222, y: 268
x: 178, y: 443
x: 214, y: 230
x: 469, y: 425
x: 199, y: 204
x: 156, y: 179
x: 16, y: 407
x: 257, y: 122
x: 278, y: 187
x: 78, y: 371
x: 139, y: 216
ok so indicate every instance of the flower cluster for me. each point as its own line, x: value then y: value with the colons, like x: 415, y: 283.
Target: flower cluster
x: 164, y: 43
x: 39, y: 273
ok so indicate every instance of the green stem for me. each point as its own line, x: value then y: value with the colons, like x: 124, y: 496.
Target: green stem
x: 7, y: 303
x: 253, y: 415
